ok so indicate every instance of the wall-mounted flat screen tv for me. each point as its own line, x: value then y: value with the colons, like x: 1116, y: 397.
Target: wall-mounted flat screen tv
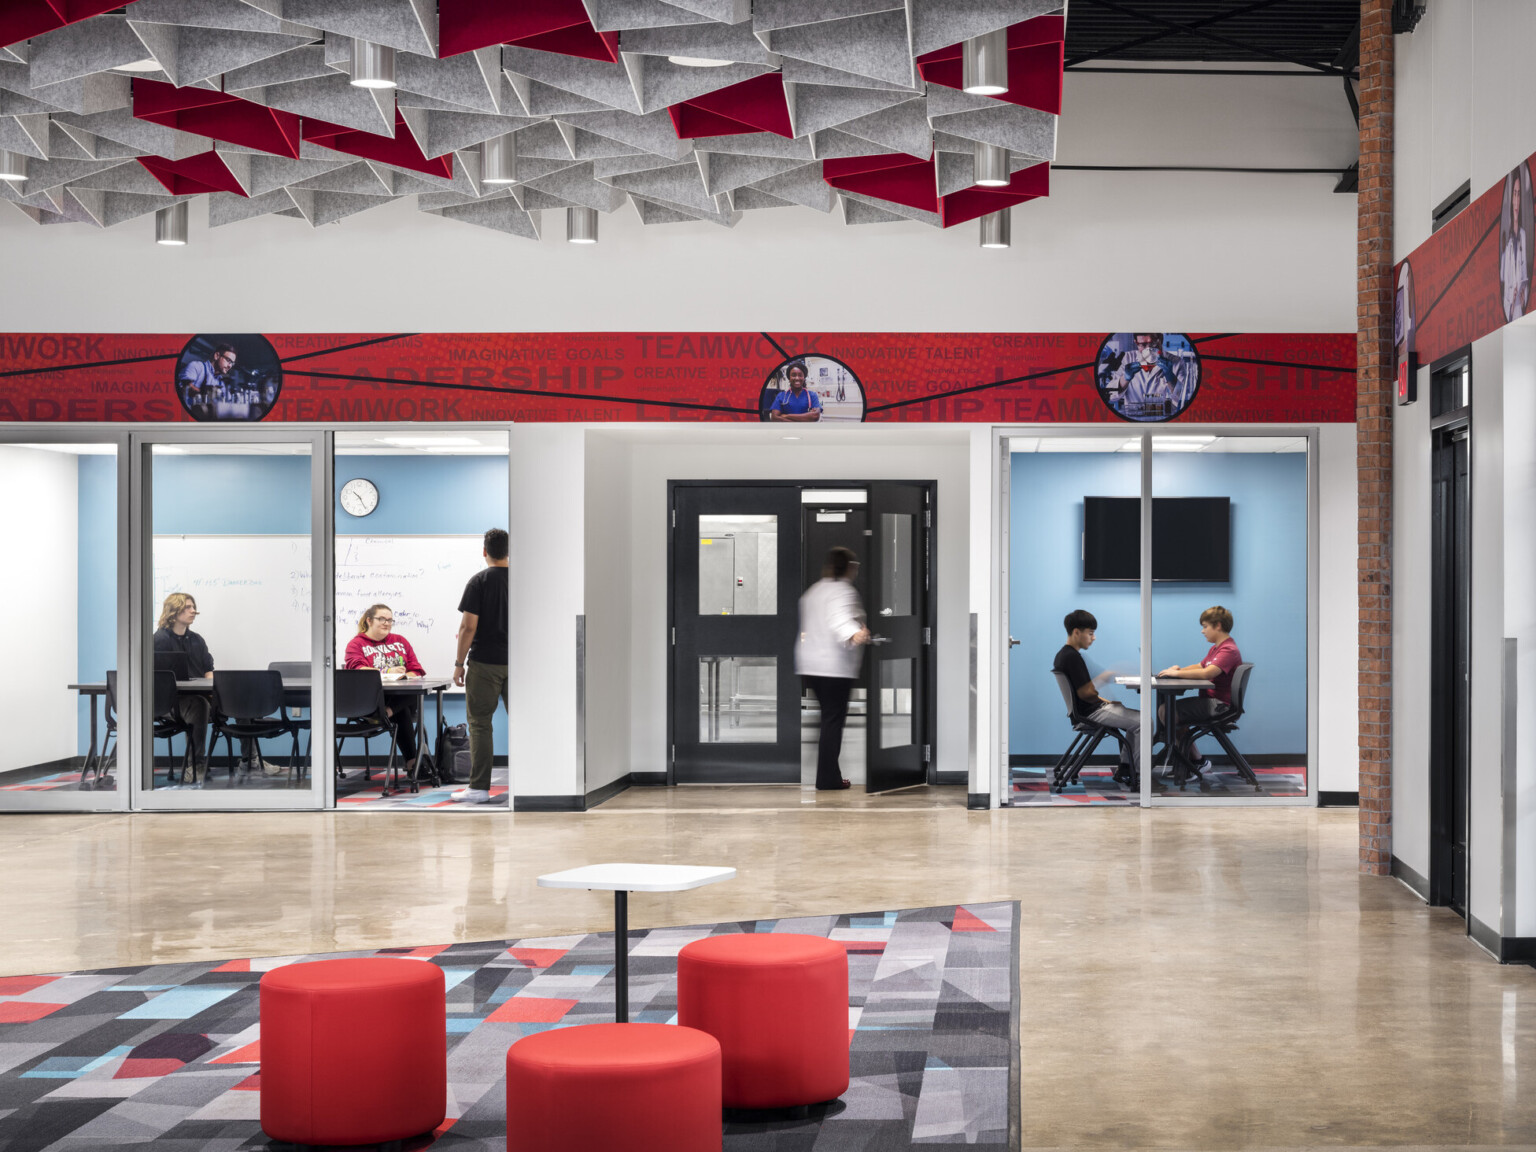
x: 1191, y: 539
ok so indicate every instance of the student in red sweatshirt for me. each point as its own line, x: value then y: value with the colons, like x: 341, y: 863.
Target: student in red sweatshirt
x: 376, y: 646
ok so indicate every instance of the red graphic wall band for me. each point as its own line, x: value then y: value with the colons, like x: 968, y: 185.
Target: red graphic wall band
x: 1471, y: 277
x: 1023, y: 377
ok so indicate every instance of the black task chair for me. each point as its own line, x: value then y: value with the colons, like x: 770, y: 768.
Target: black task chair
x: 1224, y: 722
x: 1086, y: 737
x: 362, y: 714
x: 296, y: 700
x: 248, y: 706
x: 168, y: 724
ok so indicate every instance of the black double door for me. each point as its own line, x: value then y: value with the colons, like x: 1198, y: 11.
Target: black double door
x: 741, y: 558
x: 1451, y: 668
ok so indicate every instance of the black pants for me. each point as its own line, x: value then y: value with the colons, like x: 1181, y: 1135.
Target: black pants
x: 832, y: 694
x: 402, y: 717
x: 195, y: 711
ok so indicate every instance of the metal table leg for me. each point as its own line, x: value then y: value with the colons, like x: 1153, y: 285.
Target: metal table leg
x: 621, y: 957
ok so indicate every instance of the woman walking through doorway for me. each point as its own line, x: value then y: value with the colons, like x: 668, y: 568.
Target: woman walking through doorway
x: 827, y: 655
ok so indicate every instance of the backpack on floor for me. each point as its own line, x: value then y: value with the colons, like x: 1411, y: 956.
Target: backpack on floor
x: 452, y: 759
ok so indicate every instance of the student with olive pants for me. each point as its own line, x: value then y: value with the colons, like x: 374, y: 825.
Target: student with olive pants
x: 480, y: 667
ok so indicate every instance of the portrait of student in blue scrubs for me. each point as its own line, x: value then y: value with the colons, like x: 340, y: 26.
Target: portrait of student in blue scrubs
x: 797, y: 402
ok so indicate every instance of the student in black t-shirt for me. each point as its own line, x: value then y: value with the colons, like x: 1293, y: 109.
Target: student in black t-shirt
x: 1088, y: 704
x: 480, y: 667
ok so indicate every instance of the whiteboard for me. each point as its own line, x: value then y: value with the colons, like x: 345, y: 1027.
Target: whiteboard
x: 254, y: 592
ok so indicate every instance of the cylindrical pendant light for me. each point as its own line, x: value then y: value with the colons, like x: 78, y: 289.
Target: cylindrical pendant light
x: 373, y: 65
x: 13, y: 165
x: 984, y: 64
x: 498, y: 160
x: 997, y: 229
x: 992, y: 166
x: 581, y: 225
x: 171, y: 224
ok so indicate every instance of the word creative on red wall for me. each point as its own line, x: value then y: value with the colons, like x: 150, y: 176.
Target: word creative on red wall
x: 834, y: 377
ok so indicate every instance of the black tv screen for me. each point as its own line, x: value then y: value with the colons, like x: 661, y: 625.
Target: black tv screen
x: 1191, y: 539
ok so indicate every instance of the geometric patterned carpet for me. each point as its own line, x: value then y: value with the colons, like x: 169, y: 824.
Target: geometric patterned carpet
x: 167, y: 1057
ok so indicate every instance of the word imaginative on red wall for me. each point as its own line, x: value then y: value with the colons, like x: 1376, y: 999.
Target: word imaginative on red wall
x: 1470, y: 278
x: 823, y: 377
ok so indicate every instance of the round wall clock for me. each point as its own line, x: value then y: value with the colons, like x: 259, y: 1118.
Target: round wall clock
x: 359, y: 497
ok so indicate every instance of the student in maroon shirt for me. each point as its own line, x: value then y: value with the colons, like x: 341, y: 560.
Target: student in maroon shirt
x: 375, y: 646
x: 1217, y: 668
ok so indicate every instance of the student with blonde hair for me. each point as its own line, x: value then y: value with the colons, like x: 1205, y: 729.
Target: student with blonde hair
x: 173, y: 634
x: 377, y: 645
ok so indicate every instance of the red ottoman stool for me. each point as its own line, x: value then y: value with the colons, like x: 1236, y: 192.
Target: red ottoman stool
x: 353, y: 1051
x: 778, y: 1004
x: 600, y: 1087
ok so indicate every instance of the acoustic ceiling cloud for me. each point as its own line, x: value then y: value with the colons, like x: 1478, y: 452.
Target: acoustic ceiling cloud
x: 683, y: 110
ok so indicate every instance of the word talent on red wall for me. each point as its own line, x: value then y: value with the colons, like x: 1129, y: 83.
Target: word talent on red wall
x: 835, y: 377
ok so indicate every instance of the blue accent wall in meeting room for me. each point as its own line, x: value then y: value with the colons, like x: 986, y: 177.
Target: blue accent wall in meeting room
x: 1267, y: 594
x: 269, y: 495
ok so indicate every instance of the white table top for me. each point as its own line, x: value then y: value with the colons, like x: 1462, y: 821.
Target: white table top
x: 1162, y: 682
x: 637, y: 877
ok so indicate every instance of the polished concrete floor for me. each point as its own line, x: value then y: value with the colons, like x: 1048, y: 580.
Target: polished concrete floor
x: 1209, y: 978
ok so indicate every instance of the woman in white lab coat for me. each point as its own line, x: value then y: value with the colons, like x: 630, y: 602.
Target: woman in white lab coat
x: 828, y: 655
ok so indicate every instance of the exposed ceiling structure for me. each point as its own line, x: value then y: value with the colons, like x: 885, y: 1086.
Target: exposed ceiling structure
x: 1309, y: 34
x: 685, y: 109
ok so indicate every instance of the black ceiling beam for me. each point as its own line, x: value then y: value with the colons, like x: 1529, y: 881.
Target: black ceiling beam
x: 1166, y: 32
x: 1202, y: 33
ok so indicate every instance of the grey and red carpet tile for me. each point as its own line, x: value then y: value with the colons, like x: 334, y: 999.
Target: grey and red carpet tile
x: 1096, y: 786
x: 167, y: 1057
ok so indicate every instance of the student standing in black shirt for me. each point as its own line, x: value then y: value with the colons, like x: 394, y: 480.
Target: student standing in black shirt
x: 480, y: 667
x: 1087, y: 704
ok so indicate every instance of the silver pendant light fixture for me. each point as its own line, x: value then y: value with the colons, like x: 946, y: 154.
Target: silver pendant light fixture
x: 992, y: 165
x: 581, y: 225
x: 984, y: 64
x: 13, y: 166
x: 498, y: 160
x: 997, y: 229
x: 171, y: 224
x: 373, y: 65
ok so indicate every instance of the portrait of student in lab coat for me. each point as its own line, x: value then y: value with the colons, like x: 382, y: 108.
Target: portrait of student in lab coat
x: 1515, y: 250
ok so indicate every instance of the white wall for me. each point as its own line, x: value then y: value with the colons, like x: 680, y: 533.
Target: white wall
x: 1465, y: 111
x: 547, y: 576
x: 759, y: 453
x: 1234, y: 252
x: 607, y: 565
x: 1338, y: 606
x: 40, y: 517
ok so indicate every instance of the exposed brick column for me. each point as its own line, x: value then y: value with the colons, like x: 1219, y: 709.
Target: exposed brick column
x: 1373, y: 434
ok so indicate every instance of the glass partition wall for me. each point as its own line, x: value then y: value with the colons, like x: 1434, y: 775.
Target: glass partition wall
x: 231, y: 626
x: 1190, y: 558
x: 64, y: 514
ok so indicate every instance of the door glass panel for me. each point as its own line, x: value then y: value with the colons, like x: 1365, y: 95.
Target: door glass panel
x: 229, y: 609
x: 895, y: 703
x: 61, y: 515
x: 897, y: 570
x: 738, y: 699
x: 738, y: 565
x: 1229, y: 616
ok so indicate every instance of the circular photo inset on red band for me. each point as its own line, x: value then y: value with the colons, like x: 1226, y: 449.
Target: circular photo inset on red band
x: 1147, y: 377
x: 235, y: 377
x: 812, y: 389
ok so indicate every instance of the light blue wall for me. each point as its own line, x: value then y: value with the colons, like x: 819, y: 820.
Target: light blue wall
x: 261, y: 495
x: 1267, y: 594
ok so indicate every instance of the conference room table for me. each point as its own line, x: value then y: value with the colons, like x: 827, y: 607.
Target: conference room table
x: 296, y: 693
x: 1167, y: 690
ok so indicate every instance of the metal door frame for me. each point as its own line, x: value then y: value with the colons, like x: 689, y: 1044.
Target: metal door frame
x: 930, y: 705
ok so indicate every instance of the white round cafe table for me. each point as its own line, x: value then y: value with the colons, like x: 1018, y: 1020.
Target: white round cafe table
x: 621, y: 880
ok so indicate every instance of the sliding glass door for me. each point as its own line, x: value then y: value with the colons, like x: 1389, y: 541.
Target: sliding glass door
x: 231, y: 632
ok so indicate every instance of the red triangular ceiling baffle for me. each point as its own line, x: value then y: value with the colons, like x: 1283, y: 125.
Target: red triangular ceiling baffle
x: 755, y: 105
x: 23, y: 19
x: 204, y: 172
x: 548, y: 25
x: 217, y: 116
x: 1036, y: 55
x: 402, y: 151
x: 914, y: 184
